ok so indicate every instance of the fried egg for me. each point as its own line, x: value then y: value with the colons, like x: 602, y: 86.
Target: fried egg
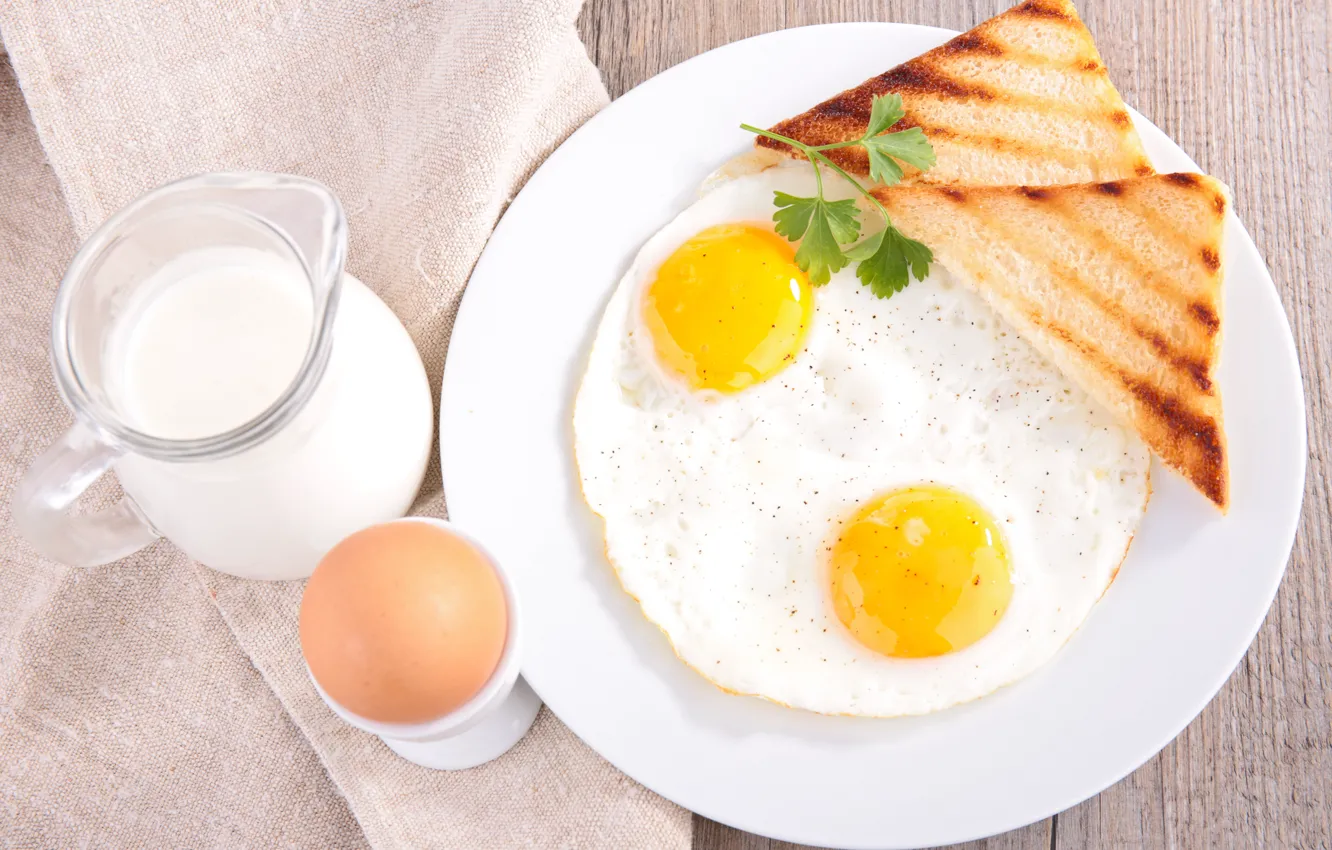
x: 840, y: 503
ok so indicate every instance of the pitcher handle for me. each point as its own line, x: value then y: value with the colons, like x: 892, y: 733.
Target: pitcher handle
x: 54, y: 481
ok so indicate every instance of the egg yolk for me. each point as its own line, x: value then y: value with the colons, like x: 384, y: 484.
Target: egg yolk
x: 729, y: 308
x: 920, y: 572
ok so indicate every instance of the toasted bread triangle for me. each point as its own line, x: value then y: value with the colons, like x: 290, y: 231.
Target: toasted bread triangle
x: 1117, y: 283
x: 1022, y: 98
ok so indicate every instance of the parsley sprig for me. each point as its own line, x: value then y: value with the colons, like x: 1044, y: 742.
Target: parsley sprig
x: 886, y: 259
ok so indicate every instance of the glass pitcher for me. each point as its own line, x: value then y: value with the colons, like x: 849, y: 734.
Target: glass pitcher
x: 343, y: 446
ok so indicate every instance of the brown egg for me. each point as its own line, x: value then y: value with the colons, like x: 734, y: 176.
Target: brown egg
x: 403, y: 622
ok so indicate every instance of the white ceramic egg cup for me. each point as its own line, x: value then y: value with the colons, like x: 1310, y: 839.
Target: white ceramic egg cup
x: 481, y: 729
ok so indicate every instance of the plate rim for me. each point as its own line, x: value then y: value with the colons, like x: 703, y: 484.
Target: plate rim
x: 646, y: 89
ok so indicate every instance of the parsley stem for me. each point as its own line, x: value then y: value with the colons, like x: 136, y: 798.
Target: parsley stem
x: 818, y: 175
x: 776, y: 137
x: 801, y: 146
x: 809, y: 153
x: 849, y: 143
x: 815, y: 155
x: 885, y: 261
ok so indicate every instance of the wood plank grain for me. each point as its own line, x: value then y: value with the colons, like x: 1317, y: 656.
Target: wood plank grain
x: 709, y: 835
x: 1245, y: 89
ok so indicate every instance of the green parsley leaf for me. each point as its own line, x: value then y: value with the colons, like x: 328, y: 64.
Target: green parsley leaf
x: 884, y: 112
x: 793, y: 214
x: 822, y: 227
x: 865, y: 249
x: 888, y: 259
x: 909, y: 146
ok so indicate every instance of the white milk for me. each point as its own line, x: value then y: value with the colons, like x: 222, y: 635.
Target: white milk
x: 212, y: 346
x: 212, y: 350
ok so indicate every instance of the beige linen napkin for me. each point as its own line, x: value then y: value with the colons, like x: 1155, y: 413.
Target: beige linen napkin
x: 130, y: 715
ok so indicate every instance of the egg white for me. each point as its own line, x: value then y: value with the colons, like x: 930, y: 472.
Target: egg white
x: 719, y: 508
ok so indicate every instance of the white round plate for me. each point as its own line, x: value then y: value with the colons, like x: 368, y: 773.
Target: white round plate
x: 1188, y: 601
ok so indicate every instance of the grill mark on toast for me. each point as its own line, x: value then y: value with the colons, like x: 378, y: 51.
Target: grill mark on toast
x: 1195, y: 369
x: 924, y: 77
x: 1185, y: 179
x: 921, y: 78
x: 1085, y: 63
x: 1206, y: 316
x: 844, y: 117
x: 1206, y: 435
x: 1196, y: 182
x: 1061, y: 155
x: 1045, y: 106
x: 970, y: 42
x: 1210, y: 258
x: 855, y: 160
x: 843, y: 107
x: 1204, y: 255
x: 1144, y: 169
x: 1046, y: 10
x: 1201, y: 312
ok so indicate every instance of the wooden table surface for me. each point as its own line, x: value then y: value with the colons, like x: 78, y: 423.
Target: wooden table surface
x: 1244, y: 87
